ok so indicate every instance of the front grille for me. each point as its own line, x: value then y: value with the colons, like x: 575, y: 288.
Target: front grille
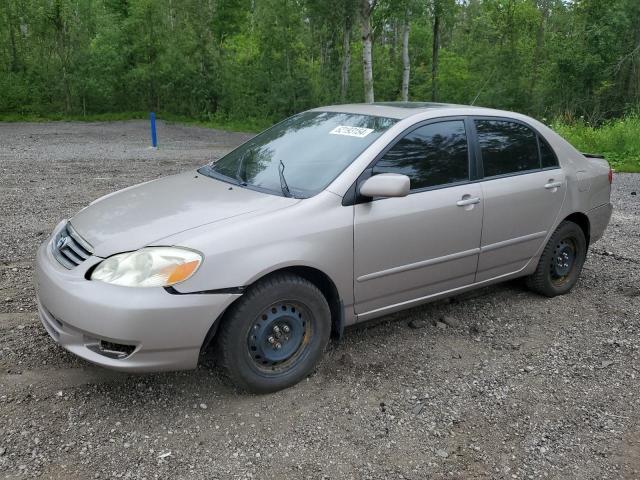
x: 69, y: 248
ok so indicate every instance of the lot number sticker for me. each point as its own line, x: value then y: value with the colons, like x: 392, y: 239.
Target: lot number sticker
x: 359, y: 132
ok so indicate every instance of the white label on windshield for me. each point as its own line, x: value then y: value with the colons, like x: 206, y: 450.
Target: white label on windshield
x: 359, y: 132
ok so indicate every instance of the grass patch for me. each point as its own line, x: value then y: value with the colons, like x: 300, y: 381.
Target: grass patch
x: 245, y: 125
x: 618, y: 140
x: 59, y: 117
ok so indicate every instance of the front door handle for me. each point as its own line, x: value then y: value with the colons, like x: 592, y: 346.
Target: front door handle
x: 467, y: 201
x: 552, y: 185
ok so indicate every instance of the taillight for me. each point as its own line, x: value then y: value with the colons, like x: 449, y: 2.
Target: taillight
x: 610, y: 176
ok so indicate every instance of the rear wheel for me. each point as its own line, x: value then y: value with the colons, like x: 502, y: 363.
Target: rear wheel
x: 561, y: 261
x: 275, y: 334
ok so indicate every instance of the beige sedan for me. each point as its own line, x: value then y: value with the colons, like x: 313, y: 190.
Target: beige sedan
x: 331, y: 217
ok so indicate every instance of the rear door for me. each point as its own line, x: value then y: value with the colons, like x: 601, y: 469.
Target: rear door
x: 523, y: 190
x: 427, y: 242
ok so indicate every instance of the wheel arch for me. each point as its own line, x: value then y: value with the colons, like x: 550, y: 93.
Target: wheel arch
x: 582, y: 220
x: 320, y: 279
x: 328, y: 288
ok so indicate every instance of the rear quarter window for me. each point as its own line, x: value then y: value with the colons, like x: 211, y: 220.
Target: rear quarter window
x: 548, y: 157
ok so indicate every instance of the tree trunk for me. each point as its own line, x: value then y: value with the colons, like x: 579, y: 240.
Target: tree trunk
x: 538, y: 53
x: 394, y: 39
x: 171, y: 16
x: 634, y: 73
x: 346, y: 59
x: 406, y: 67
x: 367, y: 62
x: 436, y: 50
x: 15, y: 66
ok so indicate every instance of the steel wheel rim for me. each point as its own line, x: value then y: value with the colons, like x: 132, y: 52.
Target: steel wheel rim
x: 563, y: 261
x: 279, y: 335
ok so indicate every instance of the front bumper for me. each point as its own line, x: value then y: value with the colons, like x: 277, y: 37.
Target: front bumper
x: 164, y: 331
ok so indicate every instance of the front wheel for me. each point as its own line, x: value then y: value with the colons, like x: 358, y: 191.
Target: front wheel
x: 274, y: 336
x: 561, y: 261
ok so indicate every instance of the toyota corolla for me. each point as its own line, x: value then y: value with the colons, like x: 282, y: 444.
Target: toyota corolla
x: 334, y: 216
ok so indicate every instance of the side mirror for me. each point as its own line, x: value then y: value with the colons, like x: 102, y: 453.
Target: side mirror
x: 385, y: 185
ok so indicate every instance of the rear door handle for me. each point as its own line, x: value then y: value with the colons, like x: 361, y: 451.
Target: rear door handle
x: 468, y: 201
x: 551, y: 185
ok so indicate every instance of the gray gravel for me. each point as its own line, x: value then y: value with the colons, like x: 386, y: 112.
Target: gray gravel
x: 499, y: 383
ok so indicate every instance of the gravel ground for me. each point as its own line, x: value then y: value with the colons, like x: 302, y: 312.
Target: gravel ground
x: 499, y: 383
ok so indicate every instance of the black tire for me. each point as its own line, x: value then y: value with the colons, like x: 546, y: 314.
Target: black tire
x: 302, y: 316
x: 561, y: 261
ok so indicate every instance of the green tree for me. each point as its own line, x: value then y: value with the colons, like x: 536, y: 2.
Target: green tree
x: 260, y: 61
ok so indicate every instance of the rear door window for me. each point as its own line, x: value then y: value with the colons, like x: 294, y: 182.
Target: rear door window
x: 506, y: 147
x: 431, y: 155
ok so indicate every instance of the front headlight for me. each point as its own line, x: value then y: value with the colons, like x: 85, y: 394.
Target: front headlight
x: 149, y: 267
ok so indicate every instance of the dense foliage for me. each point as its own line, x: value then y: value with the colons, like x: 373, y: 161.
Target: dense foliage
x: 264, y: 59
x: 618, y: 140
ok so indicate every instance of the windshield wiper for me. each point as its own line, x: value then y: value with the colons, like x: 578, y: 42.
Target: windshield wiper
x: 239, y: 178
x: 283, y: 181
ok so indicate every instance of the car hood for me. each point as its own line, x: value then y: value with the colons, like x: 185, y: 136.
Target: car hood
x: 145, y: 214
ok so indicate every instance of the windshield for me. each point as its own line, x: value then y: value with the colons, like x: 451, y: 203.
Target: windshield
x: 301, y: 155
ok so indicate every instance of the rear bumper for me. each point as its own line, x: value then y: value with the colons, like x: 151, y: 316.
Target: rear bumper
x: 599, y: 218
x: 164, y: 331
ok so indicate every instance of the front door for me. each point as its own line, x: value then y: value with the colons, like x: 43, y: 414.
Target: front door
x: 409, y: 248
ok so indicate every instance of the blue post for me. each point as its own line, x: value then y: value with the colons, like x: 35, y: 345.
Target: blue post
x: 154, y: 137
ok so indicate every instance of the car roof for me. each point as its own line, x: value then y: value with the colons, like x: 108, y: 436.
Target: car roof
x: 401, y: 110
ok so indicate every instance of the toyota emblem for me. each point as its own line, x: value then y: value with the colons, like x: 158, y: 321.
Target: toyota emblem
x: 62, y: 242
